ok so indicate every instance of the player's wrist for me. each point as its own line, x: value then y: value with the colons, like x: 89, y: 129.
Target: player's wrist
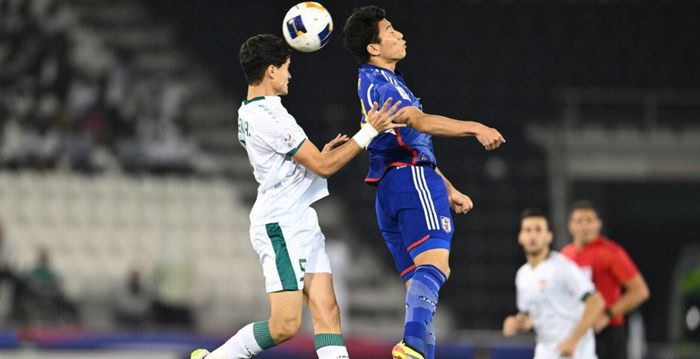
x: 609, y: 313
x: 365, y: 135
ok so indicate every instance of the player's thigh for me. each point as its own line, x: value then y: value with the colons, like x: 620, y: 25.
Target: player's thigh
x: 283, y: 249
x: 423, y: 213
x: 391, y: 233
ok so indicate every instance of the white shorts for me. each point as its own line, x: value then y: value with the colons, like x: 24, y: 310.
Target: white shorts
x: 584, y: 350
x: 290, y: 248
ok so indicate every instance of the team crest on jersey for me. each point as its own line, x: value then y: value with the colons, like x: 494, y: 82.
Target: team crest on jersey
x: 403, y: 93
x: 446, y: 224
x: 289, y: 139
x: 543, y: 285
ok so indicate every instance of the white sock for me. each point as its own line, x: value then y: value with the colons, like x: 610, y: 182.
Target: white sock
x: 249, y: 341
x: 333, y: 352
x: 330, y: 346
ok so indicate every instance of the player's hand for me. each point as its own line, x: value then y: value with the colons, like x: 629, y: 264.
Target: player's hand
x: 337, y: 141
x: 383, y: 119
x: 510, y: 326
x: 490, y: 138
x: 601, y: 322
x: 567, y: 348
x: 459, y: 202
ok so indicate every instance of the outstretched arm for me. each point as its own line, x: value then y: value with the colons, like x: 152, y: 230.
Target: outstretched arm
x: 438, y: 125
x: 459, y: 202
x: 328, y: 162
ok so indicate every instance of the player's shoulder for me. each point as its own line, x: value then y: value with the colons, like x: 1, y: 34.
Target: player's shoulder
x: 562, y: 260
x: 265, y: 112
x: 609, y: 243
x: 568, y: 250
x: 372, y: 75
x: 522, y: 271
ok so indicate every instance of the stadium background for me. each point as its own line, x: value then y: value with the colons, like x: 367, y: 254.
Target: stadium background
x: 119, y: 154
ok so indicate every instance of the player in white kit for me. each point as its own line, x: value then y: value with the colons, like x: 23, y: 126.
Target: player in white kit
x: 284, y: 229
x: 553, y: 297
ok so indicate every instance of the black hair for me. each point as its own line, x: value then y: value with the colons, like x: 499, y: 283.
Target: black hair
x: 532, y: 212
x: 361, y: 29
x: 585, y: 205
x: 259, y: 52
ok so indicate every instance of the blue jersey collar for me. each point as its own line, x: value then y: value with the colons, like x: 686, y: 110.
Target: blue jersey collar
x: 369, y: 66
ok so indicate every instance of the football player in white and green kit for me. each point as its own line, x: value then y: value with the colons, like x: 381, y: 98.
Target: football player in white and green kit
x: 284, y: 228
x: 553, y: 297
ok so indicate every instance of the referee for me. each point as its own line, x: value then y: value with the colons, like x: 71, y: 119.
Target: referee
x: 614, y: 274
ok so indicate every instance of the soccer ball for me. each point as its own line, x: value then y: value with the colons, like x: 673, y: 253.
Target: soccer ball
x: 307, y: 26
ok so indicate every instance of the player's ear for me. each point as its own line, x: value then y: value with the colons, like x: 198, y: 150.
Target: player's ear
x: 271, y: 71
x: 373, y: 49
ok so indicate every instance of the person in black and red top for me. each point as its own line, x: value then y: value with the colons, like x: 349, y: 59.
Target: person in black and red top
x: 614, y: 274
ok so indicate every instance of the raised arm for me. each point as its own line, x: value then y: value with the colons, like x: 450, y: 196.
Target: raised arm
x: 438, y: 125
x: 327, y: 163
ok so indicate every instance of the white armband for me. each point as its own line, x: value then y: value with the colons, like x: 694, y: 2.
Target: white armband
x: 365, y: 135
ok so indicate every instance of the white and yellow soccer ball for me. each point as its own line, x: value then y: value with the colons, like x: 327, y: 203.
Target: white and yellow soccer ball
x: 307, y: 26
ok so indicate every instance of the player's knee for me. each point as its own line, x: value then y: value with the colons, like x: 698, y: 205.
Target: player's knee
x: 285, y: 329
x: 445, y: 269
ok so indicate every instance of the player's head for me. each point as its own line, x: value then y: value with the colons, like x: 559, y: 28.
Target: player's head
x: 265, y: 59
x: 370, y: 37
x: 535, y: 235
x: 584, y: 221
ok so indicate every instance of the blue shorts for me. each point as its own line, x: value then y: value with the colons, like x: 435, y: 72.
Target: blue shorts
x: 413, y: 213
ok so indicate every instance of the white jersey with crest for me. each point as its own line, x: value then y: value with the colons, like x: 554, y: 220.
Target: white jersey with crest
x: 271, y: 137
x: 553, y: 295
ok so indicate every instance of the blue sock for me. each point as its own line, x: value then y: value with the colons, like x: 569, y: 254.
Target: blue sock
x: 430, y: 341
x: 421, y: 301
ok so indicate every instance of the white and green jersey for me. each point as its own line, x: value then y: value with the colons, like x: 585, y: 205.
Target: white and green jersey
x: 553, y: 295
x: 271, y: 136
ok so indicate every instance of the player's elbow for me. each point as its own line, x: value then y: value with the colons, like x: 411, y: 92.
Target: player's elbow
x: 643, y: 293
x: 597, y: 302
x: 325, y: 170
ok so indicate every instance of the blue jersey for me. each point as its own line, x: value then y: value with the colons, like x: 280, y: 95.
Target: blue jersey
x: 398, y: 147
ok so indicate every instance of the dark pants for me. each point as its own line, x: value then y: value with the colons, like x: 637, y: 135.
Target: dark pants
x: 611, y: 343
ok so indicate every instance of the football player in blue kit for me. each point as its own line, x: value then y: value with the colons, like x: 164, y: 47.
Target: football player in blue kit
x: 413, y: 197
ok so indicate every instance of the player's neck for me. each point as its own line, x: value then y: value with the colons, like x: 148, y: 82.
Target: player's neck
x: 263, y: 89
x: 536, y: 259
x: 379, y: 62
x: 581, y: 242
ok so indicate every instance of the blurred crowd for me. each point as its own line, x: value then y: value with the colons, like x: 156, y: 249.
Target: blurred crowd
x: 57, y: 113
x: 36, y: 296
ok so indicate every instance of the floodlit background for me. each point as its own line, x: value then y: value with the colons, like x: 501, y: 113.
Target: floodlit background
x: 124, y: 194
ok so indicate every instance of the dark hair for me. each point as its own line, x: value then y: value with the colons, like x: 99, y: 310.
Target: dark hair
x: 533, y: 212
x: 361, y: 29
x: 585, y: 205
x: 259, y: 52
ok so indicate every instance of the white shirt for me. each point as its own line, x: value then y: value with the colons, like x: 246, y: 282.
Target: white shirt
x: 552, y: 294
x: 271, y: 136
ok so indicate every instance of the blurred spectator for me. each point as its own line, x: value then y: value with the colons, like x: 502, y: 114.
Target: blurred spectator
x: 174, y: 280
x: 134, y: 302
x: 47, y: 300
x: 56, y: 113
x: 7, y: 277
